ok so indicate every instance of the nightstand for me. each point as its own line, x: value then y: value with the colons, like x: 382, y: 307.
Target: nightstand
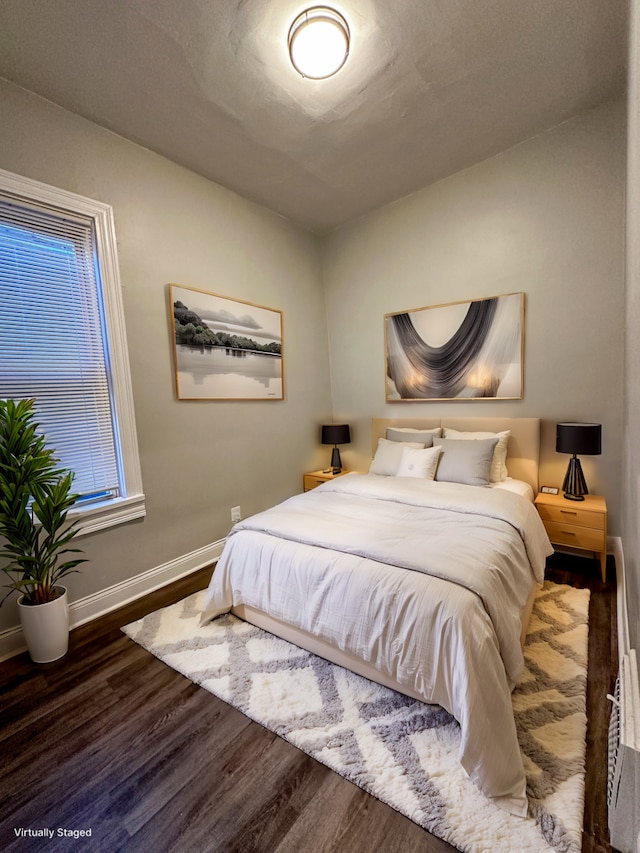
x: 317, y: 478
x: 576, y: 524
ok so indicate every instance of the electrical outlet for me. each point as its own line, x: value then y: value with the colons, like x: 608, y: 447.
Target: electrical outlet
x: 236, y: 515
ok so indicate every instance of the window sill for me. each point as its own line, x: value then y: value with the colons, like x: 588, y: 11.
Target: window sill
x: 109, y: 514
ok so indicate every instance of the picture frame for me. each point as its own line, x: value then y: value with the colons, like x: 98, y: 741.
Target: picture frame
x: 467, y: 350
x: 224, y: 348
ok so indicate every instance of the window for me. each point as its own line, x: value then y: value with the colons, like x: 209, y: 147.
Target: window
x: 62, y: 341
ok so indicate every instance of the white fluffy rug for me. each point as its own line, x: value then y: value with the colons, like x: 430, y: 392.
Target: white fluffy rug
x: 403, y: 751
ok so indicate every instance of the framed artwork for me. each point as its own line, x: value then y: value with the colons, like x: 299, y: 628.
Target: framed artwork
x: 225, y: 349
x: 460, y: 351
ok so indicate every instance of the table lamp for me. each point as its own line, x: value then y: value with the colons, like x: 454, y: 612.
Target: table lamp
x: 336, y: 434
x: 574, y: 438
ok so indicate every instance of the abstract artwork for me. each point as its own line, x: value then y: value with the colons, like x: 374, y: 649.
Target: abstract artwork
x: 460, y: 351
x: 225, y: 349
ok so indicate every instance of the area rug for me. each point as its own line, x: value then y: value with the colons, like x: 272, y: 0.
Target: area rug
x: 402, y: 751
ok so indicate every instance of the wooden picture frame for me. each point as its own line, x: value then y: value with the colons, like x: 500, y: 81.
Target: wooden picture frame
x: 225, y: 349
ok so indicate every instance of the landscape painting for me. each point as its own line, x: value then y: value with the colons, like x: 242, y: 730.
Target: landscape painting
x: 460, y: 351
x: 225, y: 349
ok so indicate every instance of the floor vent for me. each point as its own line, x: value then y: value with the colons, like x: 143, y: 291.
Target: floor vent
x: 623, y: 789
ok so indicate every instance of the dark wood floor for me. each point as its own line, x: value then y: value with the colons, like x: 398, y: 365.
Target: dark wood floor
x: 111, y: 740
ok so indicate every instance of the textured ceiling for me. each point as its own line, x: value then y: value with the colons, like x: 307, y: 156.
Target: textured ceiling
x: 430, y: 87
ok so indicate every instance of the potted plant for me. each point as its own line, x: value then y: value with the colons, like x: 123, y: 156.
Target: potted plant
x: 35, y: 498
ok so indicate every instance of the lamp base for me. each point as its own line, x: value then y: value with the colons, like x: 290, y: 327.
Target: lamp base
x: 336, y: 462
x: 574, y: 485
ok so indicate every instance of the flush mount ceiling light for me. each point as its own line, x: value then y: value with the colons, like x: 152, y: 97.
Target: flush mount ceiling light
x: 319, y: 42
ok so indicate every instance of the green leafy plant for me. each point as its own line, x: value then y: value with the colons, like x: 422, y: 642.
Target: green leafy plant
x: 35, y: 498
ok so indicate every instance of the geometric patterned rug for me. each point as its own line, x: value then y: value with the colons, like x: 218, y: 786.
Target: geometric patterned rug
x: 400, y: 750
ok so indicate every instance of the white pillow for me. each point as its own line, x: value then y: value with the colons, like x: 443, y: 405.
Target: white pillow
x: 388, y: 456
x: 499, y: 462
x: 418, y: 463
x: 411, y: 434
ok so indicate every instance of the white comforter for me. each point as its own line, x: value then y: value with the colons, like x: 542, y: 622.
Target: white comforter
x: 426, y: 581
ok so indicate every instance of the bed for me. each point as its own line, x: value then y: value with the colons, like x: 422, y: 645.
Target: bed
x: 419, y: 574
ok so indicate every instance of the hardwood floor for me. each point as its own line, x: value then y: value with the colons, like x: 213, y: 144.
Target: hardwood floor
x: 111, y: 740
x: 603, y: 667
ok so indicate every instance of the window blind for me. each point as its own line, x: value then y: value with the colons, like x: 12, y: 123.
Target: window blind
x: 53, y: 341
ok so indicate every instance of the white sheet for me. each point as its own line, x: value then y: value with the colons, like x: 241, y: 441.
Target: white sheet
x: 429, y: 632
x: 519, y: 487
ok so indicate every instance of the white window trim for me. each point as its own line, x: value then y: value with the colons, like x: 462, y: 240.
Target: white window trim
x: 132, y: 505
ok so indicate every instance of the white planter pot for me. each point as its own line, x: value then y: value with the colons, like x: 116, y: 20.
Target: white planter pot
x: 46, y: 628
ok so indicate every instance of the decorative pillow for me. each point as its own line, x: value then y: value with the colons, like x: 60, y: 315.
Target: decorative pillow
x: 499, y: 463
x: 418, y: 463
x: 466, y: 462
x: 409, y: 434
x: 388, y: 456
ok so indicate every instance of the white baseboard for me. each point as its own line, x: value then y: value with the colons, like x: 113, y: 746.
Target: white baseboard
x: 614, y: 546
x: 92, y: 606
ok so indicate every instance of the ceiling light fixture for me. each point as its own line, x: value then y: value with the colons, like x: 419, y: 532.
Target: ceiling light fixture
x: 319, y: 42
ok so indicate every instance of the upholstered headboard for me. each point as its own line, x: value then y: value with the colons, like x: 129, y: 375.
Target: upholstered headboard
x: 523, y: 450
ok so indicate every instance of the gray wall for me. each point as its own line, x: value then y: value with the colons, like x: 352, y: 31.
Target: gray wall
x: 546, y: 218
x: 631, y: 455
x: 198, y: 458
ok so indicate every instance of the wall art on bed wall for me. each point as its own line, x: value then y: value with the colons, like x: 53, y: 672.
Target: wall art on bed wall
x: 225, y: 349
x: 460, y: 351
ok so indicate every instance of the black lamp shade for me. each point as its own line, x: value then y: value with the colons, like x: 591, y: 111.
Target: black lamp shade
x: 336, y: 434
x: 579, y: 438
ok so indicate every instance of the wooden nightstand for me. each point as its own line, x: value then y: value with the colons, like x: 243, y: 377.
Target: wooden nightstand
x: 317, y: 478
x: 576, y: 524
